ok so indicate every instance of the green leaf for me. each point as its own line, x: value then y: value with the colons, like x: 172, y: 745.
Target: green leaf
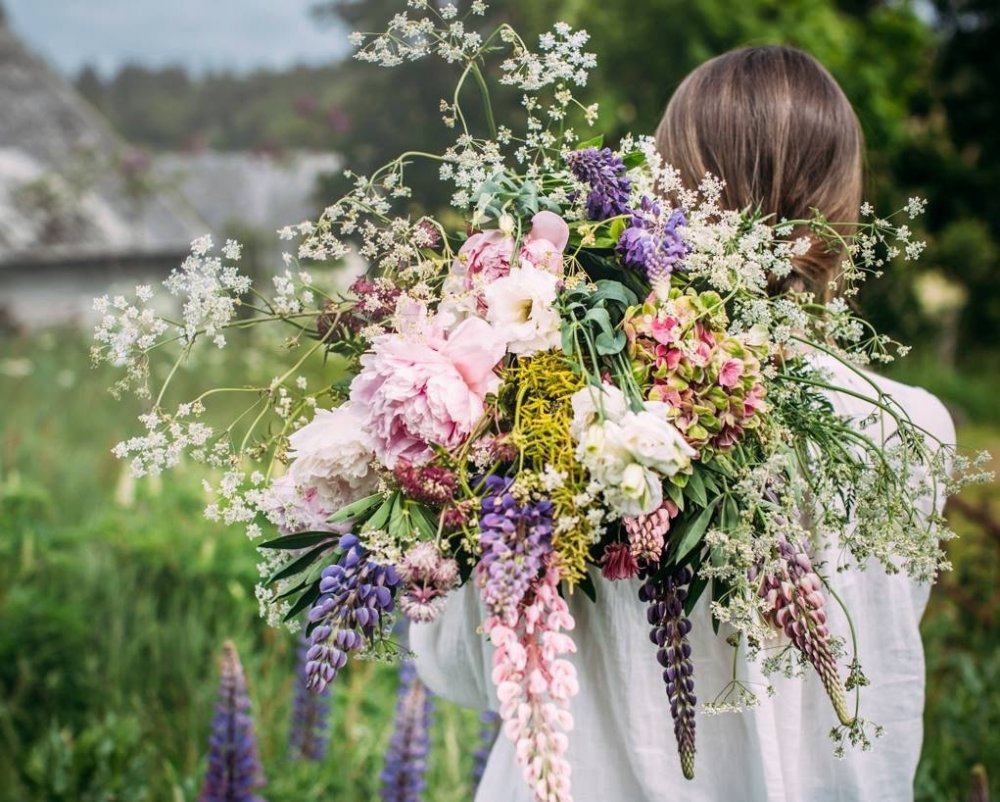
x: 587, y: 586
x: 381, y: 515
x: 676, y: 495
x: 695, y: 589
x: 730, y: 517
x: 355, y: 509
x: 300, y: 564
x: 593, y: 142
x: 634, y: 159
x: 568, y: 345
x: 696, y: 489
x: 694, y: 532
x: 608, y: 343
x: 599, y: 316
x: 614, y: 291
x: 423, y: 521
x: 399, y: 524
x: 305, y: 600
x: 303, y: 540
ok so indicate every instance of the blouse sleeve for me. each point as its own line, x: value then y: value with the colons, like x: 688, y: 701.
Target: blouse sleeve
x: 451, y: 654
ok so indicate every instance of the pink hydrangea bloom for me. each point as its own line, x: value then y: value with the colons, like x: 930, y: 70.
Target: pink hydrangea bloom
x: 420, y: 390
x: 535, y: 684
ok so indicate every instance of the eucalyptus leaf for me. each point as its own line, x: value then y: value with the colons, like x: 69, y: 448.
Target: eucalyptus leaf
x: 614, y: 291
x: 608, y: 343
x: 593, y: 142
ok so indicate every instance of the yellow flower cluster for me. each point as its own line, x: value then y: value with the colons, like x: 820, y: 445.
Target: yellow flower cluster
x: 542, y: 386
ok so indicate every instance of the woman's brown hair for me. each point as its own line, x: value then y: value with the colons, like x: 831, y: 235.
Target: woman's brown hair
x: 775, y: 126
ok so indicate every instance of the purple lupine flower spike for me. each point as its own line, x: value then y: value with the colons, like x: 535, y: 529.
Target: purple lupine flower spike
x: 489, y: 728
x: 514, y: 538
x: 234, y: 770
x: 356, y: 595
x: 666, y: 597
x: 604, y: 172
x: 652, y: 244
x: 797, y: 606
x: 309, y: 734
x: 404, y: 775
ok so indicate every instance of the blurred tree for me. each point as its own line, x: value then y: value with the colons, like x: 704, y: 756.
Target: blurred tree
x: 89, y: 84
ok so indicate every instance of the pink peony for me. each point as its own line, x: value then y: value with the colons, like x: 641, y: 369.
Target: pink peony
x: 487, y: 256
x: 423, y: 390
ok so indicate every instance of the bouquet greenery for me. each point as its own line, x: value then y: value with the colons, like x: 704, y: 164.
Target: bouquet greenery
x: 589, y: 378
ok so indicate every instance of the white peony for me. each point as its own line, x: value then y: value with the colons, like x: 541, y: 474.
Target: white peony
x: 333, y: 454
x: 521, y: 306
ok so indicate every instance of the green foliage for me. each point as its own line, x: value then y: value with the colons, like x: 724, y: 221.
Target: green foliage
x: 112, y: 614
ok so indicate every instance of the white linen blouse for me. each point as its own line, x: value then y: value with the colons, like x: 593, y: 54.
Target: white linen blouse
x: 622, y: 746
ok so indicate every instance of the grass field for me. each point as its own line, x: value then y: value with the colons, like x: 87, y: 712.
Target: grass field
x: 115, y: 598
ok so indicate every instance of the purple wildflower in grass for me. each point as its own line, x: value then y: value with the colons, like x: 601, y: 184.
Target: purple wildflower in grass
x: 604, y: 172
x: 403, y: 777
x: 666, y: 596
x: 234, y: 770
x: 488, y: 730
x: 798, y: 608
x: 309, y: 734
x: 514, y: 539
x: 355, y: 595
x: 652, y: 243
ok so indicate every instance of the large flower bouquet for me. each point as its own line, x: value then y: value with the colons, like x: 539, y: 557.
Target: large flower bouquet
x: 591, y: 378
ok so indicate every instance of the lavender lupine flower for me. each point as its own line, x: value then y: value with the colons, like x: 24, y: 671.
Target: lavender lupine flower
x: 514, y: 538
x: 647, y: 533
x: 355, y: 593
x: 234, y: 770
x: 489, y: 728
x: 652, y: 243
x: 666, y: 598
x: 794, y: 593
x: 308, y: 737
x: 403, y: 777
x: 604, y: 171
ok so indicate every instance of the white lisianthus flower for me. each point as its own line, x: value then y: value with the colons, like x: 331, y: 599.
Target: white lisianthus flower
x: 627, y: 453
x: 521, y: 306
x: 655, y: 442
x: 333, y: 454
x: 640, y: 491
x: 591, y: 403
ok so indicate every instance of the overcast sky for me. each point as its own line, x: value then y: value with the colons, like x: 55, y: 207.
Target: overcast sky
x: 199, y: 34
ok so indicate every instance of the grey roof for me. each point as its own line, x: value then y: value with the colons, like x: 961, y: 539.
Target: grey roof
x: 64, y: 196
